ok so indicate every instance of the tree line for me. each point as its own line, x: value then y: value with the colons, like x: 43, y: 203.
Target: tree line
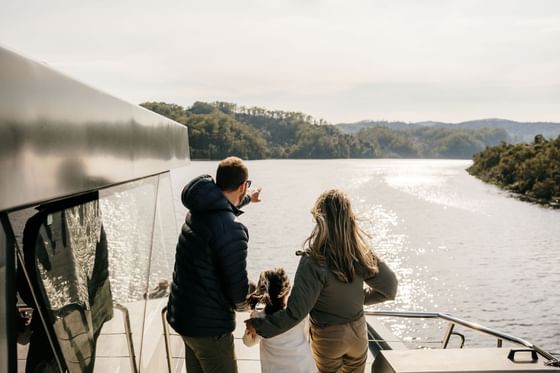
x: 220, y: 129
x: 531, y: 170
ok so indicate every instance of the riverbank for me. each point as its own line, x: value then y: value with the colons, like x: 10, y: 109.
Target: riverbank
x: 552, y: 204
x: 530, y: 171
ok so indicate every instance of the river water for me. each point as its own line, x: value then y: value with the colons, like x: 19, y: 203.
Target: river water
x: 458, y: 245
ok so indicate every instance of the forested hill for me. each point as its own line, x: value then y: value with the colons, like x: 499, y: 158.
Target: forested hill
x: 517, y: 131
x: 532, y: 170
x: 219, y: 129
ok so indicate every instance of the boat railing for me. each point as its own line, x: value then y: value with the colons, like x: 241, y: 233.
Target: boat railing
x: 453, y: 321
x: 167, y: 339
x: 128, y: 334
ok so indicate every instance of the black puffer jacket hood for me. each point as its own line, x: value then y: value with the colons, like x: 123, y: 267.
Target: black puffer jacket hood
x: 203, y: 195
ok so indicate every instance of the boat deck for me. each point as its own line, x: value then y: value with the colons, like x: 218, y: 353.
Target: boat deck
x: 112, y: 354
x: 147, y: 334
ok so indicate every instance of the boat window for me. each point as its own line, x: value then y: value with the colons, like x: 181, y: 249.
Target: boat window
x: 101, y: 267
x: 164, y: 241
x: 129, y: 213
x: 66, y: 260
x: 162, y: 260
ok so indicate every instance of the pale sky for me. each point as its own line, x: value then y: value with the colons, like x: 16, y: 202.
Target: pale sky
x: 342, y: 61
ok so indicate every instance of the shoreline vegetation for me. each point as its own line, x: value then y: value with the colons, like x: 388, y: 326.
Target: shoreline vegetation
x: 530, y: 171
x: 219, y: 129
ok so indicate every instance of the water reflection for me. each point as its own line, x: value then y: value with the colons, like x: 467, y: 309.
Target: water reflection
x: 431, y: 184
x: 129, y: 213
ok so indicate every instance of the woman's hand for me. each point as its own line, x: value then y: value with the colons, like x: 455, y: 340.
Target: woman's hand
x: 250, y: 328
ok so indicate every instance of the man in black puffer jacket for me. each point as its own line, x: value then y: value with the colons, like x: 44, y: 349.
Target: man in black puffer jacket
x: 210, y: 278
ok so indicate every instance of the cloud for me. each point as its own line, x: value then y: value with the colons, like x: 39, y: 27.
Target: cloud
x: 317, y: 55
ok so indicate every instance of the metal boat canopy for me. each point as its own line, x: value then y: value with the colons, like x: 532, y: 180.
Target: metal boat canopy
x: 60, y: 137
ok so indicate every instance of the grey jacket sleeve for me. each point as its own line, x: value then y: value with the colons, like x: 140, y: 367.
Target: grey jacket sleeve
x: 308, y: 283
x: 381, y: 287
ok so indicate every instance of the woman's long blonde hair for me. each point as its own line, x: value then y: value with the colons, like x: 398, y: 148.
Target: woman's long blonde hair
x: 336, y: 240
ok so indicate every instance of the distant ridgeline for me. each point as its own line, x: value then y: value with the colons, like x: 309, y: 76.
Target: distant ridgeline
x: 532, y: 170
x: 518, y: 132
x: 219, y: 129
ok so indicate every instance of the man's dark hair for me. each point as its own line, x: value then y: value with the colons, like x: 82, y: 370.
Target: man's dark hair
x: 231, y: 173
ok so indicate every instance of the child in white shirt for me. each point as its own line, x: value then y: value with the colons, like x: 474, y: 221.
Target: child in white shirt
x: 288, y: 352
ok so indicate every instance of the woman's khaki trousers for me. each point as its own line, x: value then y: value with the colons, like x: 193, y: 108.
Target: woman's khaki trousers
x: 340, y: 348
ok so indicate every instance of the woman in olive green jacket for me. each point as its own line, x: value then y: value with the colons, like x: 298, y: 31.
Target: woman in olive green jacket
x: 329, y: 287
